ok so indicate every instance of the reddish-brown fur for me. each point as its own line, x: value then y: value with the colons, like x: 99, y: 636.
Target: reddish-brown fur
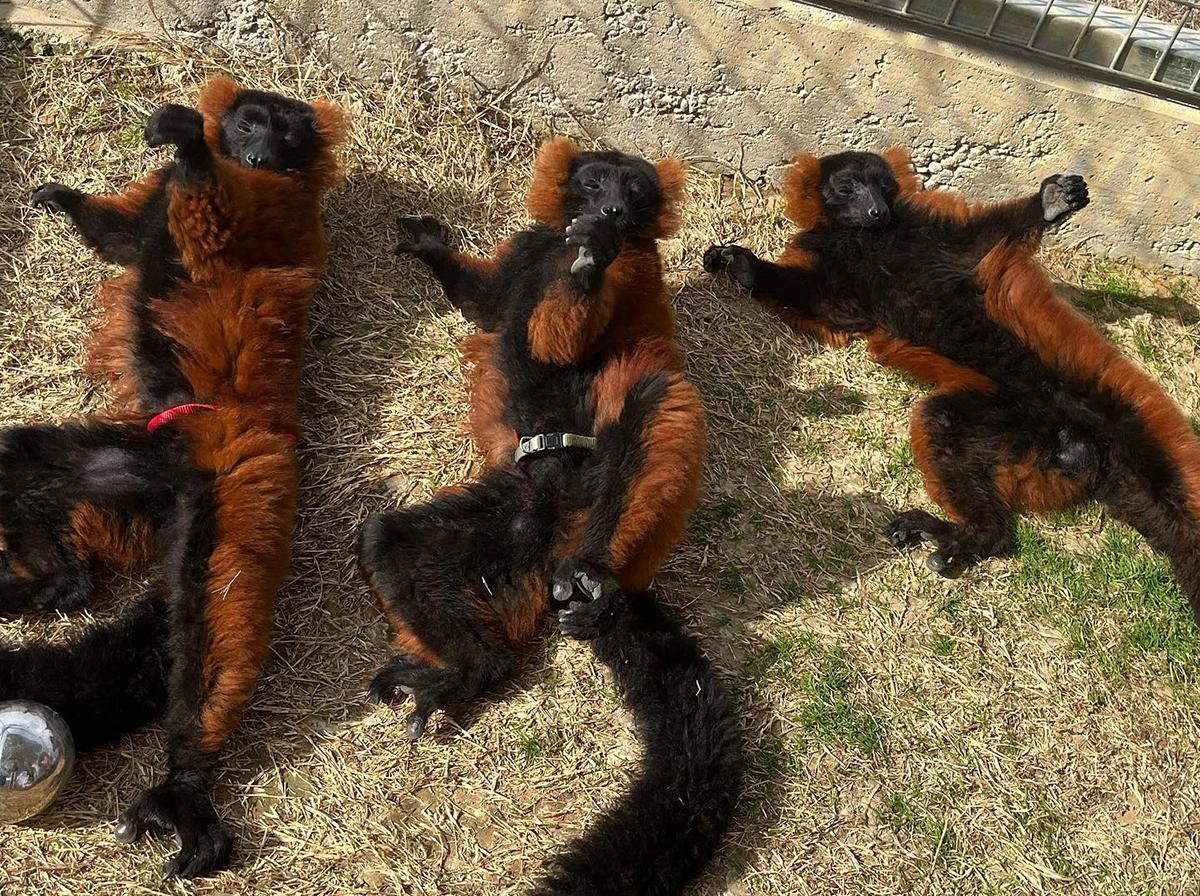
x: 253, y: 245
x: 241, y: 339
x: 488, y: 388
x: 1018, y: 295
x: 629, y: 327
x: 109, y: 539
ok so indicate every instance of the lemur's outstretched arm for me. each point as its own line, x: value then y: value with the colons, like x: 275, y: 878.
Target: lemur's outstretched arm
x: 466, y: 279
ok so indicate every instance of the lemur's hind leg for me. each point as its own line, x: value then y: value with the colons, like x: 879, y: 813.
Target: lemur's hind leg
x: 47, y: 474
x: 464, y: 581
x: 985, y: 458
x: 959, y: 443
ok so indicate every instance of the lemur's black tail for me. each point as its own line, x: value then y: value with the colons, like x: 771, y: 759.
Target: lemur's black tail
x: 664, y: 830
x: 106, y: 681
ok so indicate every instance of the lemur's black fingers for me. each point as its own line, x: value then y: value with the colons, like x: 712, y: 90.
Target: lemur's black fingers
x: 716, y: 259
x: 938, y: 562
x: 54, y: 197
x: 420, y: 232
x: 418, y: 719
x: 1063, y: 195
x: 184, y: 809
x: 174, y: 124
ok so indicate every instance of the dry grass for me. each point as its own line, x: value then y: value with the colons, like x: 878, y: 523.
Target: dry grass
x: 1029, y: 727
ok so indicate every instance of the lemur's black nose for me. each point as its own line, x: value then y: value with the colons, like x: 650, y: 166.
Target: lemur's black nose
x: 253, y: 160
x: 875, y: 212
x: 613, y: 211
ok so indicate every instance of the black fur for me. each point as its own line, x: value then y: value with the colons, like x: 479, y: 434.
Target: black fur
x: 104, y: 682
x: 450, y: 568
x: 914, y: 278
x: 666, y: 828
x: 117, y: 677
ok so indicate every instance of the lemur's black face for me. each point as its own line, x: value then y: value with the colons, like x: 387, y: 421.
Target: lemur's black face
x: 621, y: 187
x: 858, y: 190
x: 266, y: 130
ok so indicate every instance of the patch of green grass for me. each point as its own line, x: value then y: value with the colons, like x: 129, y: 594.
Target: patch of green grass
x: 732, y: 580
x: 1118, y: 576
x: 130, y: 137
x: 862, y: 437
x: 942, y: 645
x: 716, y: 517
x: 793, y: 592
x: 1147, y: 346
x: 535, y: 745
x: 908, y: 812
x: 899, y: 377
x: 1195, y: 421
x: 832, y: 713
x: 1113, y: 283
x: 1107, y: 292
x: 1043, y: 826
x: 901, y: 465
x: 1081, y: 513
x: 833, y: 400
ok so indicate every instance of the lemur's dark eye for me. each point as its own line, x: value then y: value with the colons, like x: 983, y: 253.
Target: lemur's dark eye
x: 244, y: 127
x: 591, y: 185
x: 635, y: 189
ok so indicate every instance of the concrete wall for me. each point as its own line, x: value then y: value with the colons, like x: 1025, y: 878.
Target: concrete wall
x: 748, y: 84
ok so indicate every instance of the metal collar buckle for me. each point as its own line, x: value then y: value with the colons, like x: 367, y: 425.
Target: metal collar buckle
x: 551, y: 441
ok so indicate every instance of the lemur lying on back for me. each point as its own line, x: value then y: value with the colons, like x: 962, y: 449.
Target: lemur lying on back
x: 192, y: 465
x: 593, y: 441
x: 1034, y: 410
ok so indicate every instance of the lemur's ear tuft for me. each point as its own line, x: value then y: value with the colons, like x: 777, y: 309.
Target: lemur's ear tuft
x: 331, y: 123
x: 216, y: 99
x: 547, y: 196
x: 672, y: 184
x: 899, y: 159
x: 802, y: 192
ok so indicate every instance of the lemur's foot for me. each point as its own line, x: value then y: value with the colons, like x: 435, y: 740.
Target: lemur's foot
x: 589, y: 599
x: 420, y: 234
x: 182, y: 807
x: 176, y: 125
x: 914, y: 526
x: 735, y: 261
x: 599, y: 240
x: 954, y: 543
x: 1063, y: 195
x: 407, y: 676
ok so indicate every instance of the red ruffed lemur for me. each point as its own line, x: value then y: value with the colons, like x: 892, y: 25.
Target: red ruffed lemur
x: 192, y: 467
x: 593, y: 441
x: 1033, y: 409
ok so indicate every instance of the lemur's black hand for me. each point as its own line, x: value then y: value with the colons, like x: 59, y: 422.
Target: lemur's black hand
x: 174, y: 124
x: 55, y: 198
x: 599, y: 239
x: 1063, y: 195
x: 735, y: 261
x: 420, y: 234
x: 588, y: 597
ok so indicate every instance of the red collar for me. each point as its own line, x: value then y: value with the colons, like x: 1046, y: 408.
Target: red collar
x: 183, y: 410
x: 180, y: 410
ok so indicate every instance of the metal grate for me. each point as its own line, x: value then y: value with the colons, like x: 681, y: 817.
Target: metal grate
x: 1155, y: 46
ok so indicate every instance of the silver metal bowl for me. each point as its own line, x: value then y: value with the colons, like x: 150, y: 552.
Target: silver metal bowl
x: 37, y: 754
